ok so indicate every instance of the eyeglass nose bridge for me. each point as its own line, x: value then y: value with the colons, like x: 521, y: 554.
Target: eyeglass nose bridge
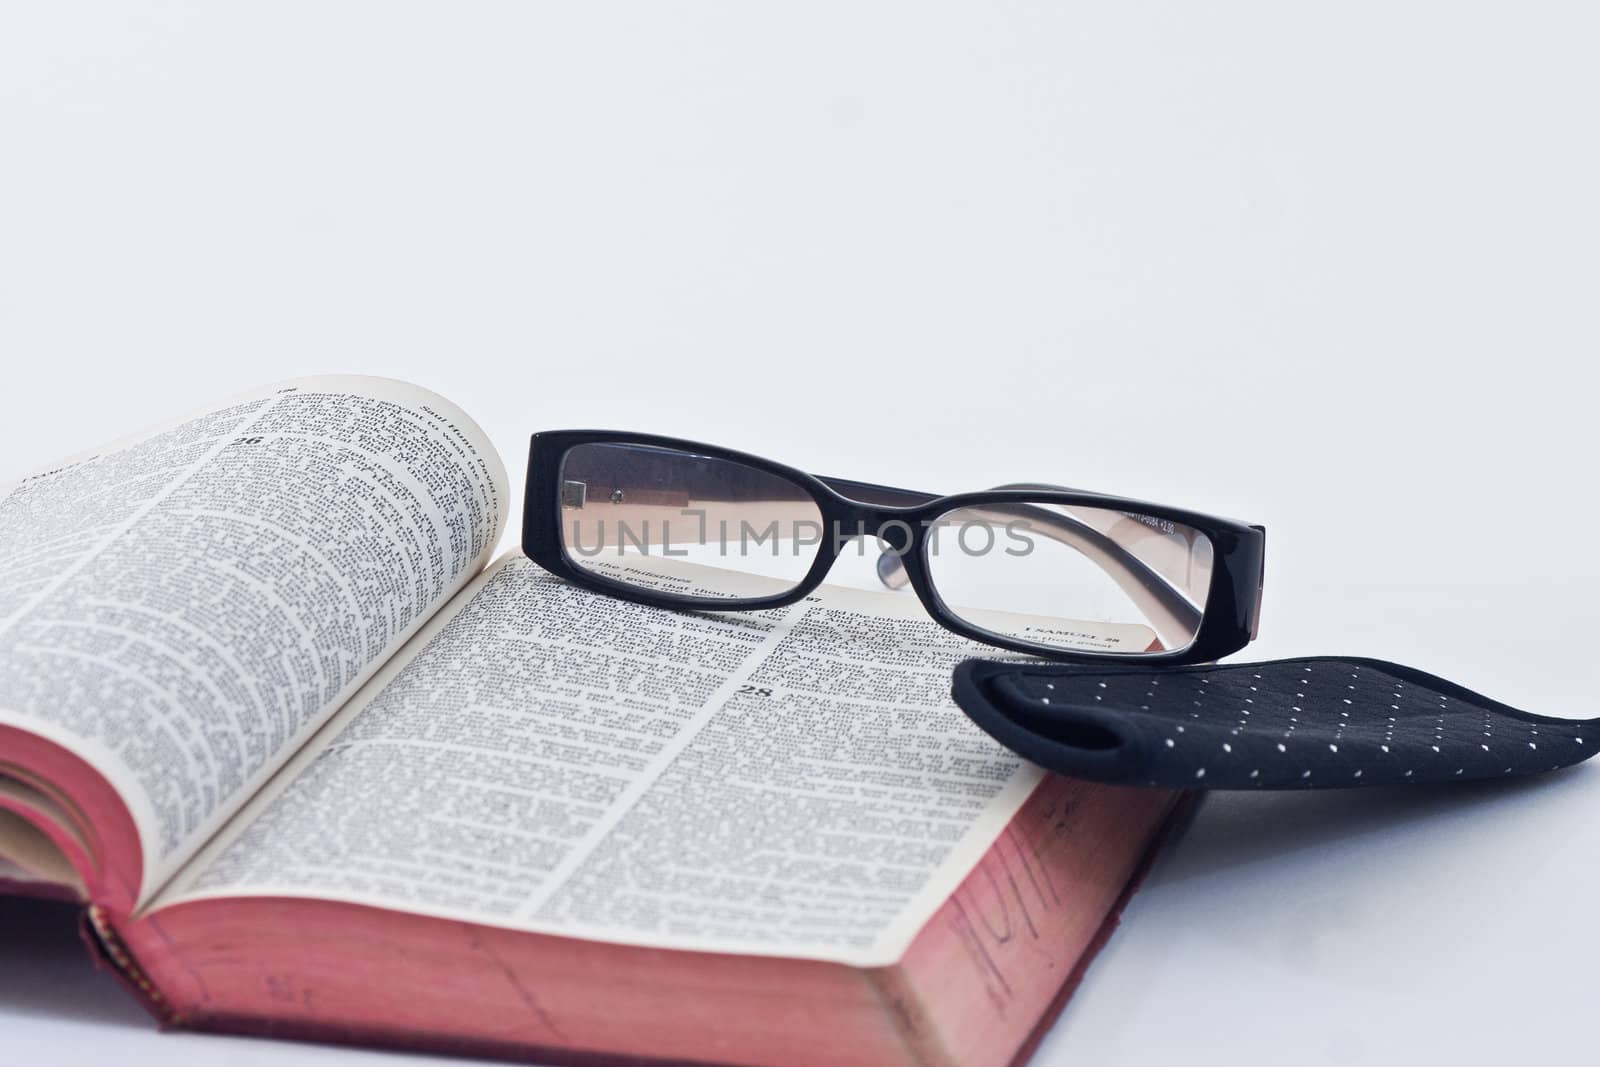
x: 897, y: 534
x: 893, y: 533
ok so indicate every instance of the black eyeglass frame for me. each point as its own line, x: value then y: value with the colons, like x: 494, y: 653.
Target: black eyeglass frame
x: 901, y: 518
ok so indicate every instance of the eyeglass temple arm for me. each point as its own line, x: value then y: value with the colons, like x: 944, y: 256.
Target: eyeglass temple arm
x: 1175, y: 618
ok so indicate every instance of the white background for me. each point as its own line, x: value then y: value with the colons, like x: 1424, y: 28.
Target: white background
x: 1326, y: 266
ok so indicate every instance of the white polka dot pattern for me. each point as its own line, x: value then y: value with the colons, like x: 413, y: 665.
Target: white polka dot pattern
x: 1319, y: 722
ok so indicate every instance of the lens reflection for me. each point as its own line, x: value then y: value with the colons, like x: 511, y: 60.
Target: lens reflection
x: 1072, y: 578
x: 684, y: 524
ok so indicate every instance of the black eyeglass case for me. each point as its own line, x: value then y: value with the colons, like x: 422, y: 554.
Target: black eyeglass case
x: 1319, y: 722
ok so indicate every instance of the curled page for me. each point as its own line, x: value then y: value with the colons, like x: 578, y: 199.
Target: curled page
x: 183, y: 609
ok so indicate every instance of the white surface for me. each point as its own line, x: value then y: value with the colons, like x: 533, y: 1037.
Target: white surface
x: 1324, y: 266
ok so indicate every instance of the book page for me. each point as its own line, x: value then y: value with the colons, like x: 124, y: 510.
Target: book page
x: 27, y: 856
x: 184, y: 608
x: 788, y: 782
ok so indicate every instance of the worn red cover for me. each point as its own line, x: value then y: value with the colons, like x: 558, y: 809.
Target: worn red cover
x: 977, y: 987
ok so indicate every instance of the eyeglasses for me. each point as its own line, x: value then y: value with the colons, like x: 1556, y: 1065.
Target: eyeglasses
x: 1032, y: 568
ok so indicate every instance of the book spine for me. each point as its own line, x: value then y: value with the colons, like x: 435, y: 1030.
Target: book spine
x: 1172, y: 827
x: 109, y: 952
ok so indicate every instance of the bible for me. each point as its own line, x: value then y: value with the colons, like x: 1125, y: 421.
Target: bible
x: 317, y: 765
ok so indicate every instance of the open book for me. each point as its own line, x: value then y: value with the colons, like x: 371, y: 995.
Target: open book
x: 318, y: 767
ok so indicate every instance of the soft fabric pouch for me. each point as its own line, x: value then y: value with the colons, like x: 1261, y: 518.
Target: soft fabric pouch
x: 1314, y: 723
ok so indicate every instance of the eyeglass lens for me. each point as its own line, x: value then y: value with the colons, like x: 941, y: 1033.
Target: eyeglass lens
x: 1059, y: 577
